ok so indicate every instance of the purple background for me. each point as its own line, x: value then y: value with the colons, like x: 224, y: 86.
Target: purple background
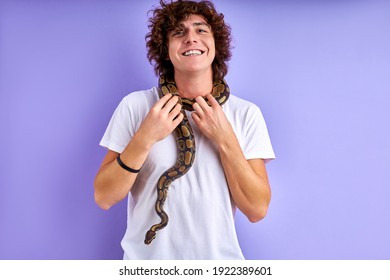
x: 319, y: 70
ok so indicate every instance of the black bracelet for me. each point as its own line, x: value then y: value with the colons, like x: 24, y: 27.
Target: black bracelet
x: 124, y: 166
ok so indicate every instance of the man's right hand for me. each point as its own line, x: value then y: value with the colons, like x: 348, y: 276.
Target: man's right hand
x: 161, y: 120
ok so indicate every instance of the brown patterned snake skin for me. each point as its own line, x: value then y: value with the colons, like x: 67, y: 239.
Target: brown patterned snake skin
x: 185, y: 148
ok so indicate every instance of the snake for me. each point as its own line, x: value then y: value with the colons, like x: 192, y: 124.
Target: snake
x: 186, y: 148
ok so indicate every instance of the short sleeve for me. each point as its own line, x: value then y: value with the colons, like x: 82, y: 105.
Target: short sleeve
x: 257, y: 143
x: 127, y: 119
x: 118, y: 132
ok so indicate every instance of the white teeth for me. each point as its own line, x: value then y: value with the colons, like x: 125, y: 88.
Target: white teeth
x: 192, y: 52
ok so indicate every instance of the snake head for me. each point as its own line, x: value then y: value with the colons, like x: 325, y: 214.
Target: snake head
x: 149, y: 236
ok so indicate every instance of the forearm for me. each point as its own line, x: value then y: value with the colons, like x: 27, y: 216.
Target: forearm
x: 247, y: 180
x: 112, y: 182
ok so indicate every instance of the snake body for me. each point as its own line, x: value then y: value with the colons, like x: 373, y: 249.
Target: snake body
x: 185, y: 142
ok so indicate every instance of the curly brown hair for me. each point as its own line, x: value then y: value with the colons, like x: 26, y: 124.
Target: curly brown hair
x: 168, y: 17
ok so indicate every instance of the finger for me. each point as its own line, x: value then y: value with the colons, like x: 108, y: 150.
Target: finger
x: 198, y: 109
x: 170, y: 104
x: 175, y: 111
x: 212, y: 100
x: 196, y: 118
x: 165, y: 98
x: 177, y: 120
x: 202, y: 103
x: 161, y: 102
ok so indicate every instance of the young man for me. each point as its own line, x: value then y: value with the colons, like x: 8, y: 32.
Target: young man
x: 189, y: 138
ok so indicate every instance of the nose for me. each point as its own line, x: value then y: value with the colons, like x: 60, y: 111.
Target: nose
x: 191, y: 37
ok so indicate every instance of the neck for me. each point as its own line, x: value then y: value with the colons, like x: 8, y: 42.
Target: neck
x: 194, y: 85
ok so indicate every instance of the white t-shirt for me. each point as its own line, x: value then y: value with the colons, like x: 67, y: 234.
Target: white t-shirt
x: 199, y: 206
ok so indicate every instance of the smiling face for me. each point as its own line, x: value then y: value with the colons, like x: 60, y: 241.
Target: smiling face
x: 191, y: 46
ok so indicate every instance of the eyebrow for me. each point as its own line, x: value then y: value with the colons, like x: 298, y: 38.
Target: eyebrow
x: 197, y: 23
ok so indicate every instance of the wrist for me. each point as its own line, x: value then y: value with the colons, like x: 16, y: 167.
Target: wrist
x: 228, y: 144
x: 142, y: 141
x: 125, y: 167
x: 135, y: 154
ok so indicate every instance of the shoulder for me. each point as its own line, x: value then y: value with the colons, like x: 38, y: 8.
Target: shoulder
x: 238, y: 101
x: 238, y: 106
x: 141, y: 98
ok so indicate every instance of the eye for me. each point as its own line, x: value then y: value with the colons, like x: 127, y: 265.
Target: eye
x: 177, y: 33
x: 203, y: 29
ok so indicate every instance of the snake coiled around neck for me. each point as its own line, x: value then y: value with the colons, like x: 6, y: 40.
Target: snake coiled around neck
x: 186, y: 148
